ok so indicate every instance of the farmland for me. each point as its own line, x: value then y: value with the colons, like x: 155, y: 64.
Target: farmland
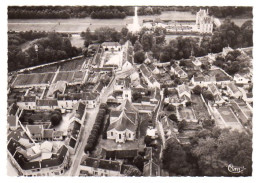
x: 33, y: 79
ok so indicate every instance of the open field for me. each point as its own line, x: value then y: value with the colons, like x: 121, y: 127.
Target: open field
x: 227, y: 114
x: 33, y: 79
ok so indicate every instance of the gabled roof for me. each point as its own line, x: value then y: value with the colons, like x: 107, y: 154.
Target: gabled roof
x: 213, y: 88
x: 183, y: 88
x: 24, y: 163
x: 47, y: 102
x: 110, y: 44
x: 47, y: 133
x: 233, y: 88
x: 12, y: 146
x: 58, y: 86
x: 102, y: 164
x: 145, y: 71
x: 35, y: 129
x: 13, y: 109
x: 123, y: 123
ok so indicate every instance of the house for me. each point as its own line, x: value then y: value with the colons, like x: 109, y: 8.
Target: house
x: 123, y: 123
x: 55, y: 88
x: 73, y: 137
x: 13, y: 116
x: 27, y: 102
x: 179, y: 72
x: 57, y: 164
x: 122, y: 90
x: 111, y: 46
x: 196, y: 62
x: 213, y: 89
x: 152, y: 166
x: 239, y: 79
x: 166, y: 129
x: 233, y: 90
x: 154, y: 69
x: 149, y: 78
x: 99, y: 167
x: 36, y: 131
x: 47, y: 104
x: 226, y: 50
x: 184, y: 90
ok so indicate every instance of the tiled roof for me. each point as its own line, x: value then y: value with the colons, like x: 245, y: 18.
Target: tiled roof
x: 102, y: 164
x: 72, y: 142
x: 145, y: 70
x: 233, y: 87
x: 24, y: 163
x: 12, y: 146
x: 47, y: 133
x: 47, y: 102
x: 35, y: 129
x: 123, y: 123
x: 13, y: 109
x: 110, y: 44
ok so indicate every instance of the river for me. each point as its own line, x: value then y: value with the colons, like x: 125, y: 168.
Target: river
x: 81, y: 24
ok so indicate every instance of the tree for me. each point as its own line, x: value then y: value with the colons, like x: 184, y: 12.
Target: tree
x: 147, y: 41
x: 56, y: 118
x: 131, y: 170
x: 139, y: 162
x: 181, y: 125
x: 173, y: 117
x: 174, y: 158
x: 208, y: 96
x: 197, y: 90
x: 148, y: 140
x: 138, y: 46
x: 139, y: 57
x: 137, y: 96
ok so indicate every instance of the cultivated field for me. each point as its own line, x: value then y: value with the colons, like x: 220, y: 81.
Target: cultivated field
x: 33, y: 79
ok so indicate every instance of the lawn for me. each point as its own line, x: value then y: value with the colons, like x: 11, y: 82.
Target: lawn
x: 64, y: 76
x: 227, y: 114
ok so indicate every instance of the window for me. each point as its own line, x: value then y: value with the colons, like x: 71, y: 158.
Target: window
x: 129, y: 135
x: 119, y: 136
x: 126, y: 95
x: 111, y: 133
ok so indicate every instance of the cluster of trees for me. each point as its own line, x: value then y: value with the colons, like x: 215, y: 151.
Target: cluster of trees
x: 96, y: 129
x: 64, y: 12
x: 228, y: 34
x: 197, y: 90
x: 149, y: 10
x: 51, y: 47
x: 107, y: 14
x: 233, y: 63
x: 230, y: 11
x: 209, y: 154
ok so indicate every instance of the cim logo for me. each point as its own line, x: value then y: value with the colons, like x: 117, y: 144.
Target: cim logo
x: 235, y: 169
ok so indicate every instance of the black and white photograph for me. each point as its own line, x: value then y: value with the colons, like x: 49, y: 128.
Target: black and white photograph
x: 129, y: 91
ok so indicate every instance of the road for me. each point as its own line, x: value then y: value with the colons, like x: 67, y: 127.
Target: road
x: 90, y: 120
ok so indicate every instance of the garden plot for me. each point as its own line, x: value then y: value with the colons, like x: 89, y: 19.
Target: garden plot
x: 70, y: 77
x: 33, y: 79
x: 227, y: 114
x: 72, y: 65
x: 199, y: 107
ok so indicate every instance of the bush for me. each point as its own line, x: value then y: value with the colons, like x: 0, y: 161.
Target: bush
x: 173, y: 117
x: 197, y: 90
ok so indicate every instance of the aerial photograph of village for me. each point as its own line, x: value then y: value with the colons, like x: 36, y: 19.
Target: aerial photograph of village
x: 129, y: 91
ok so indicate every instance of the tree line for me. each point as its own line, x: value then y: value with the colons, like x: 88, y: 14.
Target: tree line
x: 103, y: 12
x: 65, y: 12
x: 51, y: 47
x: 209, y: 154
